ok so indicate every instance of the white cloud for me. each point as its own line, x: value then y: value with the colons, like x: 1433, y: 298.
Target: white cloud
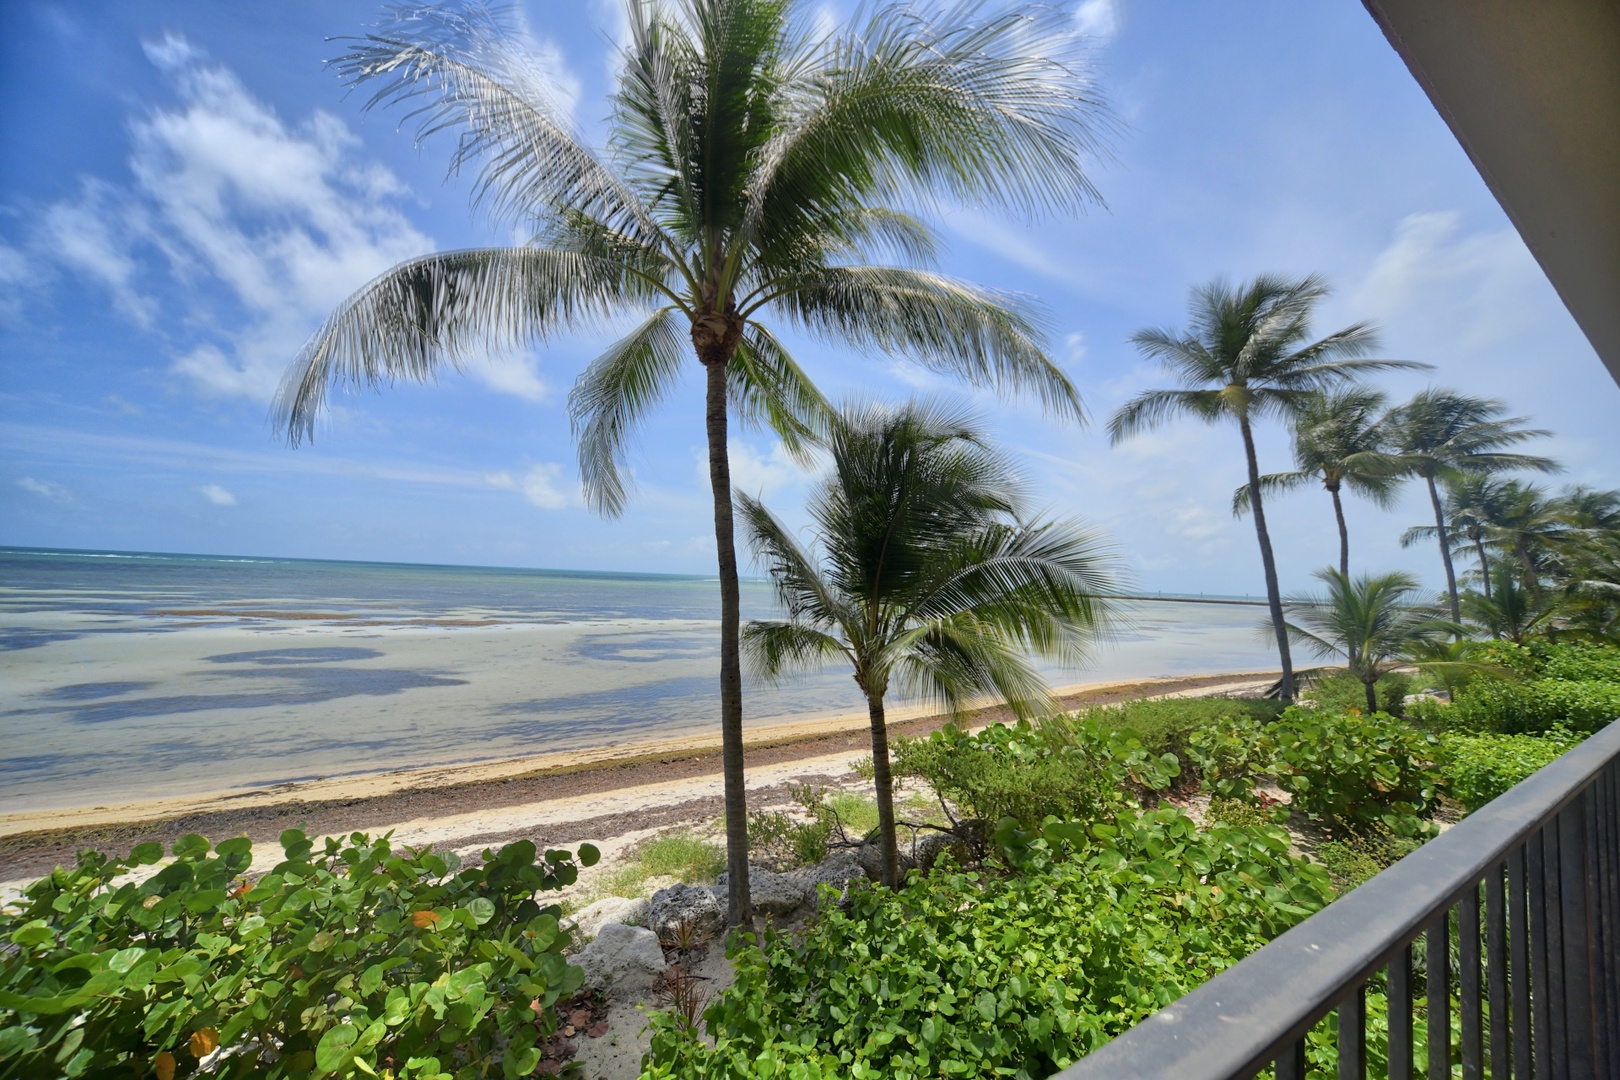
x: 172, y: 53
x: 45, y: 489
x: 540, y: 485
x: 1462, y: 289
x: 1098, y: 19
x: 91, y: 236
x: 1016, y: 244
x: 217, y: 495
x: 511, y: 374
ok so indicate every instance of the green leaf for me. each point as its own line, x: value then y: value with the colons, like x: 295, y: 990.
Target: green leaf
x: 482, y: 909
x: 336, y: 1048
x: 191, y: 846
x: 146, y: 854
x: 589, y: 855
x: 36, y: 932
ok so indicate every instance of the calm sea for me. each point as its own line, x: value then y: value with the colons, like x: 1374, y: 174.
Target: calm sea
x: 128, y: 675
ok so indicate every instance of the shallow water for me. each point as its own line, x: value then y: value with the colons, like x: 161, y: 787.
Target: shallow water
x: 131, y: 676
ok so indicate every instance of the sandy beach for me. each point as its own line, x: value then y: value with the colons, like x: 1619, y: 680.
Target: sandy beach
x: 601, y: 795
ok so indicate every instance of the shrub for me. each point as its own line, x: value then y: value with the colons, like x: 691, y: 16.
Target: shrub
x: 1166, y: 725
x: 1343, y: 692
x: 1359, y: 857
x: 785, y: 840
x: 1352, y: 772
x: 1345, y: 771
x: 1236, y: 813
x: 1065, y: 768
x: 1579, y: 663
x: 1513, y: 708
x: 339, y: 960
x: 1478, y: 768
x: 963, y: 974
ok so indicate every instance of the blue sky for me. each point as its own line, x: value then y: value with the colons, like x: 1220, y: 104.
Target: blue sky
x: 186, y: 192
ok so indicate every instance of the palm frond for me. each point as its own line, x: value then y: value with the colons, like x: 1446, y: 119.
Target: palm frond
x: 1270, y: 484
x: 614, y: 394
x: 1151, y: 408
x: 773, y: 649
x: 445, y: 309
x: 457, y: 69
x: 767, y: 386
x: 988, y: 338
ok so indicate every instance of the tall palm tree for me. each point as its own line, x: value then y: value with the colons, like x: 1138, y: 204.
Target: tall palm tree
x: 1371, y: 621
x: 1246, y: 356
x: 925, y: 577
x: 1441, y: 433
x: 758, y: 170
x: 1513, y: 610
x: 1337, y: 442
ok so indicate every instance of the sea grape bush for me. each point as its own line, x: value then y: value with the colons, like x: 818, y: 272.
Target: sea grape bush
x: 1070, y: 769
x: 1530, y: 707
x: 1343, y: 770
x: 1478, y: 768
x: 345, y: 959
x: 1016, y: 975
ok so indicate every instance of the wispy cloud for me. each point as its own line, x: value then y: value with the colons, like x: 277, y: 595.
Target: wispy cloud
x: 217, y: 495
x: 282, y: 219
x: 45, y: 489
x: 1098, y: 19
x: 542, y: 485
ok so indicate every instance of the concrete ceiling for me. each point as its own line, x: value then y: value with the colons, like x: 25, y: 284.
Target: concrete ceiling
x: 1532, y: 91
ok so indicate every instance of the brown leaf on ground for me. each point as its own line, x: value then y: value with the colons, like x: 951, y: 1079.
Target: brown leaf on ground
x: 598, y: 1029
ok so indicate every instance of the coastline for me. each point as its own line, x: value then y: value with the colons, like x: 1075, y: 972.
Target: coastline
x: 569, y: 795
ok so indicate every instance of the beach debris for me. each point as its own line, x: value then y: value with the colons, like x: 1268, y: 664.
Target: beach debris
x: 621, y: 957
x: 691, y: 904
x: 773, y: 893
x: 588, y: 921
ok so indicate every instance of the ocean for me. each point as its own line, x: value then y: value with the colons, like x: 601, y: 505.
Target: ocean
x: 127, y: 675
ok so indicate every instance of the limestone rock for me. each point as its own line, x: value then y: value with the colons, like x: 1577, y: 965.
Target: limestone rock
x: 621, y: 958
x: 837, y: 869
x: 773, y: 893
x: 691, y: 904
x: 930, y: 846
x: 588, y: 921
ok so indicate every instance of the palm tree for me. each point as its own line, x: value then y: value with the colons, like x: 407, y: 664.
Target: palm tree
x: 1338, y: 442
x: 1246, y: 357
x: 1513, y: 610
x: 925, y: 577
x: 756, y: 167
x: 1369, y: 620
x: 1441, y: 434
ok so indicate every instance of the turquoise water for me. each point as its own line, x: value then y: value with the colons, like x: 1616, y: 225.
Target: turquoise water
x: 130, y: 675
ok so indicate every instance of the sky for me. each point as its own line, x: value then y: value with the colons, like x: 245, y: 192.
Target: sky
x: 186, y: 191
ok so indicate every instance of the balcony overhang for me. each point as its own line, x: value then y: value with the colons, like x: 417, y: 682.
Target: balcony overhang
x: 1532, y: 91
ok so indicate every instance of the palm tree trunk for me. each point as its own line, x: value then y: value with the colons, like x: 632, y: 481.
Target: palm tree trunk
x: 1445, y: 549
x: 1372, y: 696
x: 883, y: 781
x: 1484, y: 564
x: 1269, y: 562
x: 740, y: 906
x: 1344, y: 533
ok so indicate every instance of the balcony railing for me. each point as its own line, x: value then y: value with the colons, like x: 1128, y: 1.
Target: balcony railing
x: 1536, y: 987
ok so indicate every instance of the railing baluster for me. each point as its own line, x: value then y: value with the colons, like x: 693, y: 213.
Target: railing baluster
x: 1468, y: 996
x: 1553, y: 899
x: 1400, y: 1014
x: 1574, y: 884
x: 1353, y: 1035
x: 1540, y: 991
x: 1496, y: 974
x: 1597, y: 972
x: 1519, y: 961
x: 1438, y: 953
x: 1609, y: 879
x: 1291, y: 1062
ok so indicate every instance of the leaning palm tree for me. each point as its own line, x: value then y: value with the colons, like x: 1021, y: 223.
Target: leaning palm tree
x: 925, y: 577
x: 758, y: 171
x: 1246, y: 356
x: 1338, y: 443
x: 1370, y: 621
x: 1441, y: 434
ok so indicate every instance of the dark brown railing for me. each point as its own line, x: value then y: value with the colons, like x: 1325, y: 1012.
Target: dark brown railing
x: 1536, y: 988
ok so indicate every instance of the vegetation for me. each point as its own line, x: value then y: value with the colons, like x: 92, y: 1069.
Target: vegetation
x: 350, y: 958
x: 1014, y: 973
x: 1245, y: 357
x: 925, y: 576
x: 1340, y: 691
x: 1478, y: 768
x: 1370, y: 621
x: 758, y: 172
x: 678, y: 855
x: 1441, y: 434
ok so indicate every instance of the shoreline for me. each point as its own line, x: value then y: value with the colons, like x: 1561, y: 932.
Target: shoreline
x: 31, y: 842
